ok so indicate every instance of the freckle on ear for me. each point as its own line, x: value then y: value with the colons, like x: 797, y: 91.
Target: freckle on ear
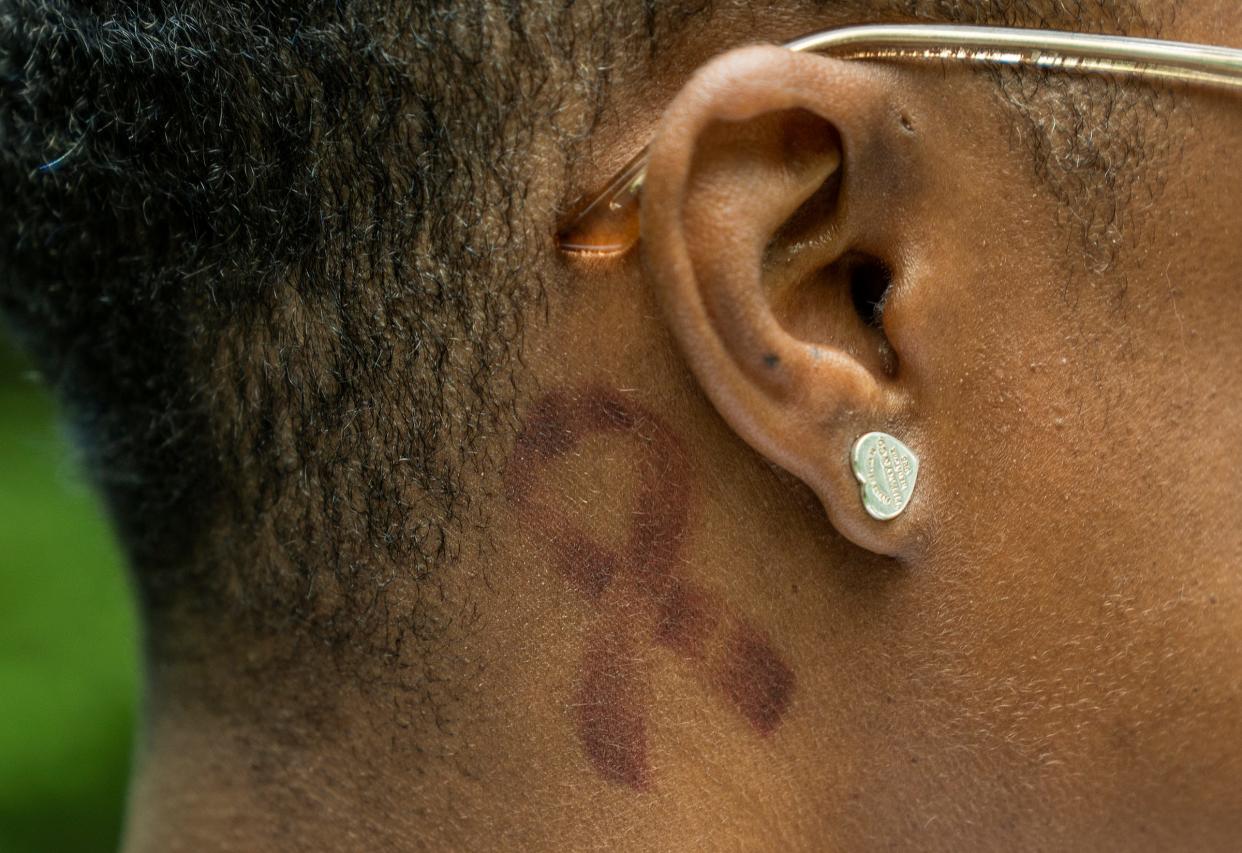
x: 771, y: 360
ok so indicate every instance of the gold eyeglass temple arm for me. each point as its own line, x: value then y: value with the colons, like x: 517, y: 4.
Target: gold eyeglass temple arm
x: 609, y: 223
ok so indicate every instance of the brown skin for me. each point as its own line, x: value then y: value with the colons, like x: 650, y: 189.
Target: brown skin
x: 1042, y: 653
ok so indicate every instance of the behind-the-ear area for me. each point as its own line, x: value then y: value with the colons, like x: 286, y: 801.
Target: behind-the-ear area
x: 769, y: 216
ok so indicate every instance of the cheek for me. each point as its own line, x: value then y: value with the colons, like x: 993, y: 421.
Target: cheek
x: 1080, y: 436
x: 1086, y: 477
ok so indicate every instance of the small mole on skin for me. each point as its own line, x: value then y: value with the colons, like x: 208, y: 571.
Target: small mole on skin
x: 906, y: 124
x: 771, y: 360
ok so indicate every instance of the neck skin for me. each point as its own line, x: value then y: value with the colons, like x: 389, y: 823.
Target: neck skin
x: 663, y: 644
x: 753, y: 682
x: 640, y: 671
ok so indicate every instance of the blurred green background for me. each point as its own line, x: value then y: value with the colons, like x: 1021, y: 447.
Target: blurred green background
x: 68, y: 639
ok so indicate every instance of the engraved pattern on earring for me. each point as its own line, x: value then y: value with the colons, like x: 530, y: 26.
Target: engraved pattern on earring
x: 887, y: 471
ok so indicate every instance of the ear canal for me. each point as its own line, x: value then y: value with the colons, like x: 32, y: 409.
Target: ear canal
x: 749, y: 224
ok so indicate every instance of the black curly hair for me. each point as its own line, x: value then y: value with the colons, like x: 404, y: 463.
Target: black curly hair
x: 276, y: 259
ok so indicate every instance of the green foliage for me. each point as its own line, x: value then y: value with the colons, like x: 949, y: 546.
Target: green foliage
x: 68, y: 639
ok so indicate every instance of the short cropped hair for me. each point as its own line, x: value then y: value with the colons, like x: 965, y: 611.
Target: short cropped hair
x: 276, y: 259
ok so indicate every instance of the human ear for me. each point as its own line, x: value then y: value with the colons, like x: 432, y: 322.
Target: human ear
x: 772, y: 213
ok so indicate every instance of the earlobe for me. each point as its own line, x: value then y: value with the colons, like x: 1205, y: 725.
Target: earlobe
x: 753, y: 214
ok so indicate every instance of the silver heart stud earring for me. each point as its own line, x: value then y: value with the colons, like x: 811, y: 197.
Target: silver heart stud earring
x: 887, y: 470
